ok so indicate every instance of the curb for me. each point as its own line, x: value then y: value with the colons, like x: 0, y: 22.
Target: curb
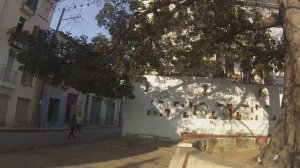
x: 165, y: 149
x: 48, y: 129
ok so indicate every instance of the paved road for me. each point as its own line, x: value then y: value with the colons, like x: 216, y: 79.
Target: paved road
x: 15, y: 141
x: 99, y: 154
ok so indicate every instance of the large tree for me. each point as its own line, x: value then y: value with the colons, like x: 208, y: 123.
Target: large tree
x: 67, y: 61
x: 179, y: 35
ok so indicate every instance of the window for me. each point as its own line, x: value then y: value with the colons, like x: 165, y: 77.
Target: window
x: 20, y: 25
x: 3, y: 108
x: 9, y: 74
x: 27, y: 79
x: 32, y: 4
x: 22, y: 111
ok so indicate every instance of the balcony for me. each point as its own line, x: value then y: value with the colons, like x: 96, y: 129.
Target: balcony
x: 8, y: 77
x: 13, y: 39
x: 16, y: 44
x: 28, y: 10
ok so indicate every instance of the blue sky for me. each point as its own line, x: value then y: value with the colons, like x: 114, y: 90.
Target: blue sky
x: 85, y: 25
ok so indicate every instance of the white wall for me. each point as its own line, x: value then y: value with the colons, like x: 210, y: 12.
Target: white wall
x: 190, y: 89
x: 2, y: 5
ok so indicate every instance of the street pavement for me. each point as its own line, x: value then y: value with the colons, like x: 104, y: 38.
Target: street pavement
x: 16, y: 140
x: 109, y: 153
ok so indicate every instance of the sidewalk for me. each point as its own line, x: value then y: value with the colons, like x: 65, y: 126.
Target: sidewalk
x: 35, y: 129
x: 12, y: 139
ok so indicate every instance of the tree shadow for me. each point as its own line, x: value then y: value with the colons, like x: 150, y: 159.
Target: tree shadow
x: 184, y: 105
x: 96, y: 154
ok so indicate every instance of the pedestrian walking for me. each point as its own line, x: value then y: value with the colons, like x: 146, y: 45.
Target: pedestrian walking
x: 78, y: 125
x: 73, y: 123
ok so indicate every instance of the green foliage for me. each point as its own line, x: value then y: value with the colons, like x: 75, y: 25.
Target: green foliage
x: 170, y: 37
x: 183, y: 37
x: 73, y: 62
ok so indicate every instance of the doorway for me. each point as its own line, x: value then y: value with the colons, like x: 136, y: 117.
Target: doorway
x: 71, y: 106
x: 110, y: 110
x: 95, y: 110
x: 53, y: 111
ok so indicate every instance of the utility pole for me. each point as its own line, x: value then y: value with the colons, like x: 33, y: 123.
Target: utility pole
x: 41, y: 81
x: 40, y: 86
x: 60, y: 19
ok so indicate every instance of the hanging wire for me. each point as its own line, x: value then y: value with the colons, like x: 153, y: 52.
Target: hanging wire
x: 66, y: 25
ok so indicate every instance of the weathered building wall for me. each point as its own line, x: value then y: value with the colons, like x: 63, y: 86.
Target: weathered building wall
x: 169, y: 106
x: 58, y: 115
x: 18, y: 99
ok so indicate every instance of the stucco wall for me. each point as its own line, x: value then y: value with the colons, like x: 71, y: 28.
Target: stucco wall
x: 10, y: 11
x: 191, y: 110
x: 56, y: 93
x: 61, y: 95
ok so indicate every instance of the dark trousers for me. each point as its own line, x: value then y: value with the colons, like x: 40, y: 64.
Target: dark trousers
x: 78, y: 128
x: 72, y: 132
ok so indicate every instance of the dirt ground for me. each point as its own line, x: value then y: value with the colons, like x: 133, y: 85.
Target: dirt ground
x: 112, y: 153
x: 246, y: 158
x: 238, y: 156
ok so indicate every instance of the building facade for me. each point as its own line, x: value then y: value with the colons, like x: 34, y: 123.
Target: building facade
x: 18, y: 89
x: 58, y: 105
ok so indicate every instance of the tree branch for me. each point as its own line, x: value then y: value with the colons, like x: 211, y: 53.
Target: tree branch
x: 165, y: 3
x: 272, y: 21
x: 245, y: 48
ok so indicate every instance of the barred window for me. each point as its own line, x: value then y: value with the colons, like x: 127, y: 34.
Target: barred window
x: 32, y: 4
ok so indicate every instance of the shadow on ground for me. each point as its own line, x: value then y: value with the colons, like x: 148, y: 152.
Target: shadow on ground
x: 111, y: 153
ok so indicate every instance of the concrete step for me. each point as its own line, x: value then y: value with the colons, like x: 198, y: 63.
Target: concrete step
x: 193, y: 153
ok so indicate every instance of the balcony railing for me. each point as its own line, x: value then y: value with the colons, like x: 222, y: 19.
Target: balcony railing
x: 16, y: 44
x: 29, y: 7
x: 13, y: 38
x: 8, y: 75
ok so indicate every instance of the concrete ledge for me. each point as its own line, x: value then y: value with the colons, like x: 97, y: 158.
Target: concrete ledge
x: 192, y: 153
x: 186, y: 143
x: 179, y: 157
x: 219, y: 144
x: 199, y: 144
x: 148, y: 136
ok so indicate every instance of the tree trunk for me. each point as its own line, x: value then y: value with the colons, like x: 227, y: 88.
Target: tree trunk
x: 284, y: 147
